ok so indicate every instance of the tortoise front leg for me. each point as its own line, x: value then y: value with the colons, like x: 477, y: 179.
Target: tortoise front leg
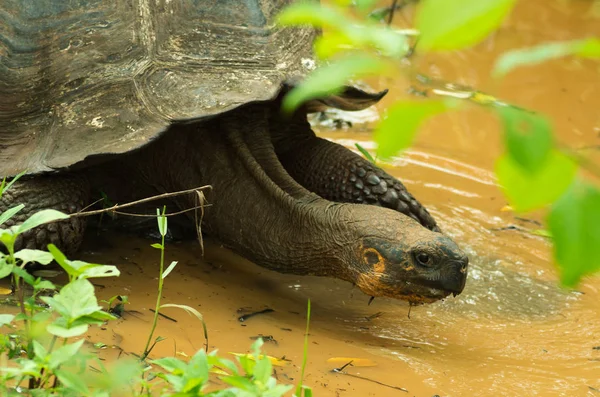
x: 338, y: 174
x: 67, y: 193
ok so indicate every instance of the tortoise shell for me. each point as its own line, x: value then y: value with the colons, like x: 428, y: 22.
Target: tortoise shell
x: 80, y: 78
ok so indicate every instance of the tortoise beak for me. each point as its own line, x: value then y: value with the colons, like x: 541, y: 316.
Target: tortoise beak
x: 456, y: 276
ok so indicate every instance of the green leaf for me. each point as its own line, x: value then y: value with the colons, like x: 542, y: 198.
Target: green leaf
x: 263, y: 370
x: 28, y: 278
x: 27, y: 255
x: 39, y: 218
x: 573, y: 222
x: 64, y: 354
x: 157, y: 246
x: 39, y: 350
x: 527, y: 136
x: 527, y: 192
x: 331, y: 78
x: 588, y: 48
x: 6, y: 319
x: 9, y: 213
x: 170, y: 364
x: 43, y: 284
x: 239, y: 381
x: 196, y: 372
x: 4, y: 187
x: 312, y: 13
x: 169, y: 269
x: 457, y: 24
x: 365, y: 5
x: 63, y: 332
x: 365, y: 153
x: 61, y: 259
x: 162, y: 222
x: 5, y: 268
x: 191, y: 311
x: 72, y: 382
x: 75, y: 300
x: 397, y: 131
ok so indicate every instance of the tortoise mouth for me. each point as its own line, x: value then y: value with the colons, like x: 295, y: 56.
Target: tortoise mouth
x: 375, y: 284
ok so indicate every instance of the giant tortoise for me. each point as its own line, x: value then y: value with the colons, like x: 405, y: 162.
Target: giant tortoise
x: 133, y: 98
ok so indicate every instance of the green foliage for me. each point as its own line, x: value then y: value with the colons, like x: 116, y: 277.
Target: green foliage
x: 456, y: 24
x: 527, y: 192
x: 397, y: 131
x: 587, y: 48
x: 533, y: 171
x: 45, y: 361
x: 331, y: 78
x: 527, y: 136
x: 573, y: 222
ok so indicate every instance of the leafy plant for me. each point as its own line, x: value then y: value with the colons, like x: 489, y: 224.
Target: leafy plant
x: 45, y: 346
x: 535, y: 171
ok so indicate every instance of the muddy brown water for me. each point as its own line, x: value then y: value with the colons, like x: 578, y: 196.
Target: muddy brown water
x: 513, y: 332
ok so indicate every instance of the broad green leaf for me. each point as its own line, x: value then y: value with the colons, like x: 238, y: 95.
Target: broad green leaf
x: 39, y: 350
x: 63, y: 332
x: 158, y: 246
x: 169, y: 269
x: 64, y: 354
x: 526, y: 192
x: 170, y: 364
x: 397, y: 131
x: 196, y: 372
x: 27, y: 255
x: 72, y: 382
x: 94, y: 270
x: 573, y: 222
x: 239, y: 381
x: 6, y: 319
x: 588, y: 48
x: 263, y: 370
x: 75, y: 300
x: 457, y: 24
x: 9, y: 213
x: 527, y: 136
x: 330, y: 79
x: 5, y: 268
x: 39, y: 218
x: 312, y: 13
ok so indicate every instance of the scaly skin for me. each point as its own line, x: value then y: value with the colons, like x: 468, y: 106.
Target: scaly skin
x: 265, y: 215
x: 337, y: 174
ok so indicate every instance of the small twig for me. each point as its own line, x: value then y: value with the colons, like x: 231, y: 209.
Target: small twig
x: 163, y: 315
x: 391, y: 14
x: 154, y: 216
x: 245, y: 317
x: 145, y: 200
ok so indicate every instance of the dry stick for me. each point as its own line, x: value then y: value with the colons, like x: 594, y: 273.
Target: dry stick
x: 145, y: 200
x: 391, y: 16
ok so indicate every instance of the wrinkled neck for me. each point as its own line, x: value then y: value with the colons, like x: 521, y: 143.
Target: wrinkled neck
x: 257, y: 209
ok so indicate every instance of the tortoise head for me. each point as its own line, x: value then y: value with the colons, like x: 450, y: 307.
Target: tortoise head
x: 397, y: 257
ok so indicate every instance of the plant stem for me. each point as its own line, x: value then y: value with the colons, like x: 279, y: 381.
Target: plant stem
x: 160, y: 287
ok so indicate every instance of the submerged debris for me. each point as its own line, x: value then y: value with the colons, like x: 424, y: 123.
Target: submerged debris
x: 245, y: 317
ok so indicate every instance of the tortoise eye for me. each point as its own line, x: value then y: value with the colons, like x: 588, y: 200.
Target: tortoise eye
x: 423, y: 259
